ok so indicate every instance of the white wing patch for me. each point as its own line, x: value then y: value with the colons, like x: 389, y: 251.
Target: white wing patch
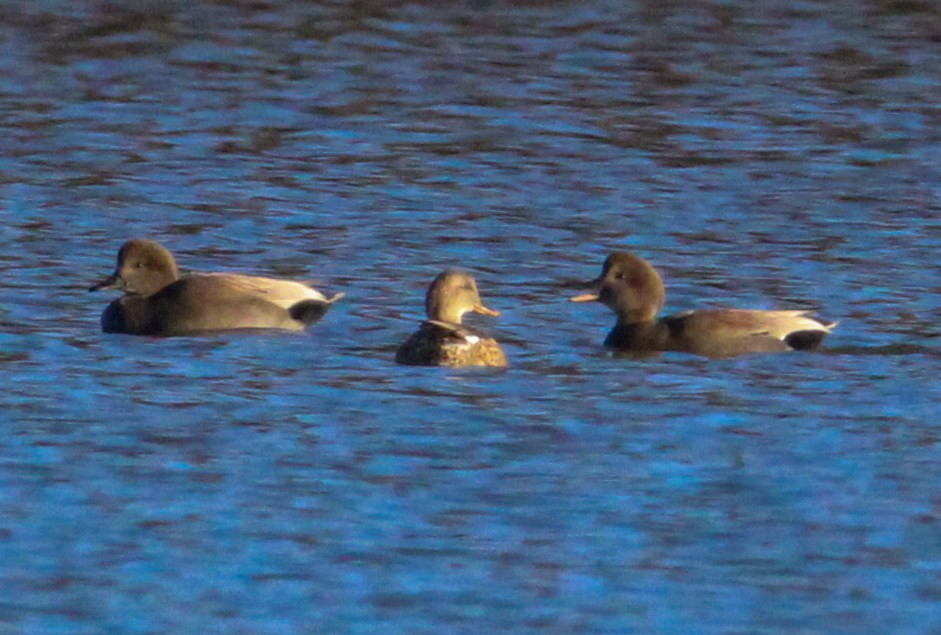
x: 780, y: 324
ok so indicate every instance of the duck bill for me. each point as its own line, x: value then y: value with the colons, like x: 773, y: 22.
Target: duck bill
x: 592, y: 296
x: 111, y: 282
x: 479, y: 308
x: 585, y: 297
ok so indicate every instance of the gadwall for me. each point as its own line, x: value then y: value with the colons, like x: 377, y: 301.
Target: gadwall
x: 442, y: 340
x: 632, y: 288
x: 157, y: 301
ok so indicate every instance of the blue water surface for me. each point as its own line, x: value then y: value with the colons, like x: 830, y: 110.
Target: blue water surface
x: 760, y: 154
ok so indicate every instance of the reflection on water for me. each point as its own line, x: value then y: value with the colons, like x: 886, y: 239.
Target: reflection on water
x: 763, y: 156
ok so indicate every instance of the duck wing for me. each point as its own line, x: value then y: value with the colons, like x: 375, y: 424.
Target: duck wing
x: 284, y: 293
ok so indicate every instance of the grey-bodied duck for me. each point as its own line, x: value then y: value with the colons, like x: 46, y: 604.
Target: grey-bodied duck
x: 158, y: 301
x: 632, y: 288
x: 442, y: 340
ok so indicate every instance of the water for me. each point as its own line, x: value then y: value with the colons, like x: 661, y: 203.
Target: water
x: 761, y: 155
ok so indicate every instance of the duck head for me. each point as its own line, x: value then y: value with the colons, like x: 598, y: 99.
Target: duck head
x: 452, y: 294
x: 143, y: 268
x: 629, y: 286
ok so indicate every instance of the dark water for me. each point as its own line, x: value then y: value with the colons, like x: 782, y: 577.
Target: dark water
x: 762, y: 154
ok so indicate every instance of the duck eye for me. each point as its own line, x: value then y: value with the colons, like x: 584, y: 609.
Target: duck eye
x: 619, y: 276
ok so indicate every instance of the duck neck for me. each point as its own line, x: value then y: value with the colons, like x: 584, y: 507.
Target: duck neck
x: 639, y: 316
x: 446, y: 314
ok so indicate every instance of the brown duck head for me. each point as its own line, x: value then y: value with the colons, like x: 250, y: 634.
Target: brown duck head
x: 143, y: 268
x: 452, y: 294
x: 629, y: 286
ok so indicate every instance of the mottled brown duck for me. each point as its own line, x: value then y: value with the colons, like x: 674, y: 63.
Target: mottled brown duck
x: 442, y: 340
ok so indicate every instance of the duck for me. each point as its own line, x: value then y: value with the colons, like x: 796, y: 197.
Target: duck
x: 158, y: 301
x: 442, y: 340
x: 631, y: 287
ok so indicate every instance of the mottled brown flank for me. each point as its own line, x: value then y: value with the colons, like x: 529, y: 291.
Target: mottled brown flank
x: 435, y: 345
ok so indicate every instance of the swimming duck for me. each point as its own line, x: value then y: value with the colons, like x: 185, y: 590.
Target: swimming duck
x: 632, y: 288
x: 442, y: 340
x: 158, y: 301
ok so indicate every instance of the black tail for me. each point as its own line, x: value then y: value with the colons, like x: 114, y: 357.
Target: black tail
x: 309, y: 311
x: 805, y: 340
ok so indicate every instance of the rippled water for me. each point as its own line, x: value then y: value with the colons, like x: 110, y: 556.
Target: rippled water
x: 761, y: 154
